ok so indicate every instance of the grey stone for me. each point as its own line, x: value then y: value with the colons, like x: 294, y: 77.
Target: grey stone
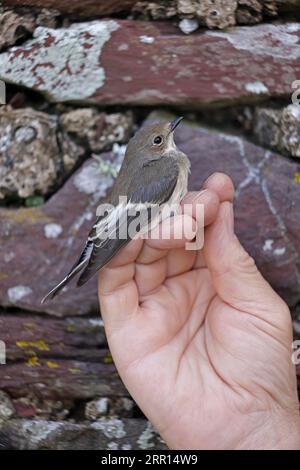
x: 31, y: 159
x: 99, y: 130
x: 111, y: 434
x: 7, y: 409
x: 279, y: 129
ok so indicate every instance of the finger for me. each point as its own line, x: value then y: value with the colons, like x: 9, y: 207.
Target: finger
x: 201, y: 205
x: 127, y: 255
x: 151, y: 265
x: 179, y: 261
x: 152, y: 250
x: 222, y: 185
x: 118, y: 294
x: 173, y: 232
x: 234, y: 273
x: 149, y: 277
x: 200, y: 260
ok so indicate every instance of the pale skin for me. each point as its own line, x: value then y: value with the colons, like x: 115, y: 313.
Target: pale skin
x: 200, y: 339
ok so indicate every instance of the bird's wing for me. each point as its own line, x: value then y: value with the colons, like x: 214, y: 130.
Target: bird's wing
x: 157, y: 190
x: 76, y: 268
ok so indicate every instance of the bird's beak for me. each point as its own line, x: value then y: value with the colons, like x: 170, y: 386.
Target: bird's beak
x: 174, y: 124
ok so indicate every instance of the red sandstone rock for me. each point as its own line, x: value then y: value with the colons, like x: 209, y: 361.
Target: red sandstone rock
x: 38, y: 245
x: 114, y: 62
x: 77, y: 7
x: 26, y: 336
x: 59, y: 379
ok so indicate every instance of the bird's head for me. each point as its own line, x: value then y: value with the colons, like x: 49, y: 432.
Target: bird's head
x: 154, y: 140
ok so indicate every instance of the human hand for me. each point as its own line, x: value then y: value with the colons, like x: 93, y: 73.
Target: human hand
x: 200, y: 339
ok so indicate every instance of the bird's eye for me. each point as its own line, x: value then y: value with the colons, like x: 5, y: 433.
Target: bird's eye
x: 157, y: 140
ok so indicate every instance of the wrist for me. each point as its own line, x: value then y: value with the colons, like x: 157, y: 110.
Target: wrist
x: 276, y: 432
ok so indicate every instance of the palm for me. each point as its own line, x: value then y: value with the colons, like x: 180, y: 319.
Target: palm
x: 192, y: 360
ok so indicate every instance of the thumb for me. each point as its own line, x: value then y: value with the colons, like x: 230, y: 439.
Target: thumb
x: 234, y: 274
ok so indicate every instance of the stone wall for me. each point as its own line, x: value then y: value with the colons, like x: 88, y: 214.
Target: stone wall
x: 81, y: 78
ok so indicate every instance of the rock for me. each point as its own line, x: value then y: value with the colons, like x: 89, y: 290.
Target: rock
x: 279, y: 129
x: 5, y: 443
x: 97, y: 408
x: 90, y: 56
x: 39, y: 244
x: 188, y: 26
x: 249, y: 12
x: 48, y: 18
x: 218, y: 14
x: 32, y: 407
x: 296, y: 316
x: 164, y: 9
x: 110, y: 434
x: 27, y: 336
x: 14, y: 26
x: 7, y: 409
x: 271, y: 8
x: 287, y: 5
x: 31, y: 159
x: 60, y: 379
x: 77, y: 8
x: 100, y: 130
x: 122, y: 407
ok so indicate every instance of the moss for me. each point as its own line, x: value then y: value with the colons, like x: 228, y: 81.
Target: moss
x: 34, y: 201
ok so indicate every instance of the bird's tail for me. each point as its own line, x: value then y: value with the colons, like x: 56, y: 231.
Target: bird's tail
x: 65, y: 281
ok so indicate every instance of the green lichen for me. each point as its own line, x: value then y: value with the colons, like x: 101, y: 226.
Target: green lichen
x: 105, y: 167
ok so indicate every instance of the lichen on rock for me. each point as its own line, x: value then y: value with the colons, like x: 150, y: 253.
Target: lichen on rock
x: 97, y: 408
x: 218, y: 14
x: 7, y: 409
x: 249, y: 12
x: 14, y: 27
x: 98, y: 129
x: 56, y: 55
x: 279, y: 128
x: 155, y: 10
x: 31, y: 159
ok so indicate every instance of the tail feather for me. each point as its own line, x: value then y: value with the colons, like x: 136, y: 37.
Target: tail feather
x: 99, y: 258
x: 65, y: 281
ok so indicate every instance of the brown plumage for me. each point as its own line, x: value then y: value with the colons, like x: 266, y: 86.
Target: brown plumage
x: 154, y: 172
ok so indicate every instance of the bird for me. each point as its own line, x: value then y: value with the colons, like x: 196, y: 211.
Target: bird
x: 154, y: 174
